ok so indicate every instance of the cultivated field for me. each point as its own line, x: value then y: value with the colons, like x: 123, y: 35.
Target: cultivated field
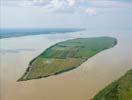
x: 65, y: 56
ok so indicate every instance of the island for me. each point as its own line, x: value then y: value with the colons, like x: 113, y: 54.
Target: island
x: 65, y: 56
x: 120, y: 89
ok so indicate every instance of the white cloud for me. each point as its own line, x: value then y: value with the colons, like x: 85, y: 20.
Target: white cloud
x: 90, y: 11
x: 57, y: 4
x: 71, y: 2
x: 89, y: 7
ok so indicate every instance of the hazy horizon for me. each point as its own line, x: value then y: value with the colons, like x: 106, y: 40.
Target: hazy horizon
x: 90, y: 14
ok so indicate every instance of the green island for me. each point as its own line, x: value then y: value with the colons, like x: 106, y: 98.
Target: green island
x: 65, y: 56
x: 120, y: 89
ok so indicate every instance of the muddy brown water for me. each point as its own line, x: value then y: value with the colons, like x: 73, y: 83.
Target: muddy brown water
x: 81, y: 83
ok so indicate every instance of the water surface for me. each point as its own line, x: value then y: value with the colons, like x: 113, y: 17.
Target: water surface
x: 79, y: 84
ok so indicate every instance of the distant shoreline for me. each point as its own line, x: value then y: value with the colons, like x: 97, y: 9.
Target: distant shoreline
x: 8, y: 33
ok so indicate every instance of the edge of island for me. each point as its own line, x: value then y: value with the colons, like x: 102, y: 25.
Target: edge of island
x: 79, y: 44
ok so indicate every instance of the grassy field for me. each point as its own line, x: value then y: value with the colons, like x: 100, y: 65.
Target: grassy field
x: 65, y: 56
x: 121, y: 89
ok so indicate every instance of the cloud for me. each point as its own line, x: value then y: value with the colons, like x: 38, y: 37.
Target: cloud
x: 90, y: 11
x: 89, y: 7
x: 71, y: 2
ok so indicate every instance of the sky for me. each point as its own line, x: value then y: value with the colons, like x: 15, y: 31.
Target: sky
x: 66, y: 14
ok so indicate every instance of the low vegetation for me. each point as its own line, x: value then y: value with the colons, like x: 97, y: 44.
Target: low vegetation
x: 65, y: 56
x: 120, y: 89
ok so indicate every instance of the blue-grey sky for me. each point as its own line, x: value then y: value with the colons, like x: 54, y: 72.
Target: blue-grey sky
x: 66, y: 13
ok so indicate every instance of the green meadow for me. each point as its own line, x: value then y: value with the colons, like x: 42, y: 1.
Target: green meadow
x: 65, y: 56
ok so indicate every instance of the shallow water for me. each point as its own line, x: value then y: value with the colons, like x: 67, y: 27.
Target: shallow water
x: 81, y: 83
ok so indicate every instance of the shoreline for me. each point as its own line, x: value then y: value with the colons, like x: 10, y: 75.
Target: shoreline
x: 31, y: 32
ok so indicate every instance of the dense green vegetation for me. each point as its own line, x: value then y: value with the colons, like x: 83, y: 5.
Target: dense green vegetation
x: 121, y: 89
x: 65, y: 56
